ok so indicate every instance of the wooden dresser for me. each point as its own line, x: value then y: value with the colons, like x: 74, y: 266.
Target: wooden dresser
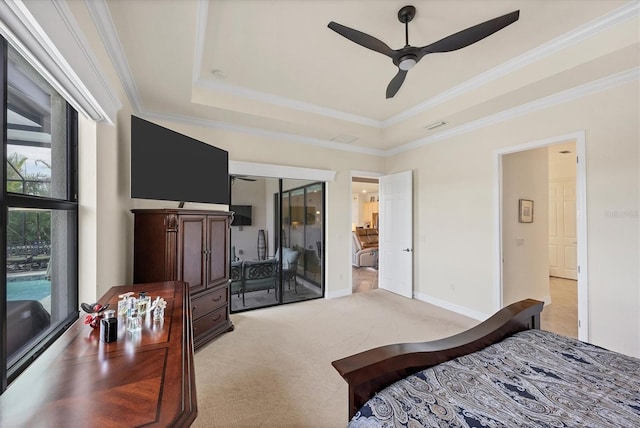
x: 190, y: 246
x: 145, y: 378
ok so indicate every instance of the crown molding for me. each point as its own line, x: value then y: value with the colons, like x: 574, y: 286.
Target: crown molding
x: 542, y: 103
x: 26, y: 35
x: 99, y: 12
x: 630, y: 10
x: 286, y: 102
x: 205, y: 123
x: 201, y: 36
x: 576, y: 35
x: 605, y: 83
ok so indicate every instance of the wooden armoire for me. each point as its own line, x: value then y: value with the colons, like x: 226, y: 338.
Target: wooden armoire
x: 190, y: 246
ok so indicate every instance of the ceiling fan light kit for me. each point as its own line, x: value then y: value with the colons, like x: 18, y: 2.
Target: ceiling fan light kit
x: 408, y: 56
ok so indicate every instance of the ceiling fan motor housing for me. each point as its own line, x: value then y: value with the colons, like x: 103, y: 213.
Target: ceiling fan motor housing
x: 406, y: 14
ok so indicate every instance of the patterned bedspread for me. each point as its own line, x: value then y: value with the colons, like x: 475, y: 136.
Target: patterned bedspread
x: 532, y: 379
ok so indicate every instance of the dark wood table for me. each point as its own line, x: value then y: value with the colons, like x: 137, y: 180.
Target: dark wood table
x: 144, y: 378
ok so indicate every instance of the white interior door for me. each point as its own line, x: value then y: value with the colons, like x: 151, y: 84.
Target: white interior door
x: 563, y: 260
x: 396, y: 234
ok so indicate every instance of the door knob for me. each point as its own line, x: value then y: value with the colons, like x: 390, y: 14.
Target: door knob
x: 408, y: 250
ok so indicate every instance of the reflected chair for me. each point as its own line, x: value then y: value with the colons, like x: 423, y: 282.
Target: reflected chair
x: 235, y: 278
x: 259, y: 275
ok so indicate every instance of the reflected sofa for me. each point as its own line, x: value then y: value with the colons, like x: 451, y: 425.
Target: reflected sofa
x: 365, y: 247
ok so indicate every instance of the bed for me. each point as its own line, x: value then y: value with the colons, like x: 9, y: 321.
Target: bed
x: 503, y: 372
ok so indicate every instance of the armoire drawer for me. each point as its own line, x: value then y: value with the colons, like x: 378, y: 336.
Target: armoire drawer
x: 207, y: 301
x: 210, y: 322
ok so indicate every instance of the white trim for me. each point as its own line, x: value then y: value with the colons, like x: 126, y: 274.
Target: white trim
x: 89, y: 58
x: 263, y: 133
x: 605, y: 83
x: 26, y: 35
x: 280, y: 171
x: 576, y: 35
x: 201, y: 35
x: 277, y: 100
x: 99, y: 12
x: 580, y: 91
x: 581, y: 198
x: 583, y: 274
x: 365, y: 174
x: 462, y: 310
x: 338, y: 293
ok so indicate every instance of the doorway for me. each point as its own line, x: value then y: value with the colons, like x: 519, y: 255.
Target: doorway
x: 544, y: 255
x: 365, y: 199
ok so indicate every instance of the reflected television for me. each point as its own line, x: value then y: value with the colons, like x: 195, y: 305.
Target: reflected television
x: 241, y: 216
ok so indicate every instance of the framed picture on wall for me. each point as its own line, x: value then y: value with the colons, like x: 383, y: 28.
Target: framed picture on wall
x: 525, y: 211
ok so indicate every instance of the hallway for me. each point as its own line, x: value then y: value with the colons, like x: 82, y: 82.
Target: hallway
x: 363, y: 279
x: 561, y: 316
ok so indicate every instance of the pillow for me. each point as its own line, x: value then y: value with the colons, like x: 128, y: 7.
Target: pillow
x: 289, y: 257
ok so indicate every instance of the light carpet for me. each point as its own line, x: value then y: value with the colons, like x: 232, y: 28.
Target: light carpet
x: 274, y: 369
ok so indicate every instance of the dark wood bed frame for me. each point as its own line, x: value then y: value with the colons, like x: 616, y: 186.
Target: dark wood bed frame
x: 371, y: 371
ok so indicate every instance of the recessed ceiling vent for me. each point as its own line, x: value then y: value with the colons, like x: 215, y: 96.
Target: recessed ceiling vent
x: 344, y: 139
x: 435, y: 125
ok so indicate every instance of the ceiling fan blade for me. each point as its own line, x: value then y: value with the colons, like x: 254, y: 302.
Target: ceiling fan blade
x: 471, y: 35
x: 395, y: 83
x: 362, y: 39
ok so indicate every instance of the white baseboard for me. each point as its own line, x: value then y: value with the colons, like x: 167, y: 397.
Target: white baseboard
x: 337, y: 293
x: 452, y: 307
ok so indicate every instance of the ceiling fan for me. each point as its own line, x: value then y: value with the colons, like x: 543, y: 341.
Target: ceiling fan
x: 241, y: 177
x: 409, y: 56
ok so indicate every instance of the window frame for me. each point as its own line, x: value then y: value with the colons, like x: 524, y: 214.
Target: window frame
x: 15, y: 200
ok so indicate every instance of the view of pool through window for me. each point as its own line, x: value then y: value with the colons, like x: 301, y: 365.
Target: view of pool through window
x: 28, y: 288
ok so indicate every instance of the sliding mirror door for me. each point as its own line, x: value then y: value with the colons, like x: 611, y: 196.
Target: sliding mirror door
x: 277, y: 238
x: 302, y: 234
x: 254, y: 271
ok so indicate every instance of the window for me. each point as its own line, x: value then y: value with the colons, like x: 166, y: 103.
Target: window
x: 39, y: 297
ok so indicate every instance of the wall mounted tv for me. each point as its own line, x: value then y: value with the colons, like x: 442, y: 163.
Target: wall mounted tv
x: 242, y: 216
x: 169, y: 166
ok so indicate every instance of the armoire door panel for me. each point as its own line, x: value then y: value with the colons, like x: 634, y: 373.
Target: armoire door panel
x: 218, y: 251
x: 191, y: 260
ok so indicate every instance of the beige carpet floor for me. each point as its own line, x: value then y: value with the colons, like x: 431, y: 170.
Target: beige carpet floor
x: 275, y: 369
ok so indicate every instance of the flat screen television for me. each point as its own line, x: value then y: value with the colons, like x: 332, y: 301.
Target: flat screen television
x: 169, y: 166
x: 242, y: 216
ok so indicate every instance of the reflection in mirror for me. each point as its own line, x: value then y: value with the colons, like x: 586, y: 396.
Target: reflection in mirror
x: 276, y: 258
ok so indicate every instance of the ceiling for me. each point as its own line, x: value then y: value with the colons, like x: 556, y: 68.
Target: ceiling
x: 274, y: 67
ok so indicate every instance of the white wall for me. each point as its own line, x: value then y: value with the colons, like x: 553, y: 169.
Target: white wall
x: 525, y: 246
x: 87, y: 210
x: 455, y: 209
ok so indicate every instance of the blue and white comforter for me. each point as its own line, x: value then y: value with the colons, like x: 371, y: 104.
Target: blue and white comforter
x: 532, y: 379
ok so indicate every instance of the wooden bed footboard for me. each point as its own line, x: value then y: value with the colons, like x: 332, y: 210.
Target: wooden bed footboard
x: 371, y: 371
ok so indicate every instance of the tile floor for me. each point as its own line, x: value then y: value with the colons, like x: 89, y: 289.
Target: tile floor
x: 561, y: 316
x: 363, y: 279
